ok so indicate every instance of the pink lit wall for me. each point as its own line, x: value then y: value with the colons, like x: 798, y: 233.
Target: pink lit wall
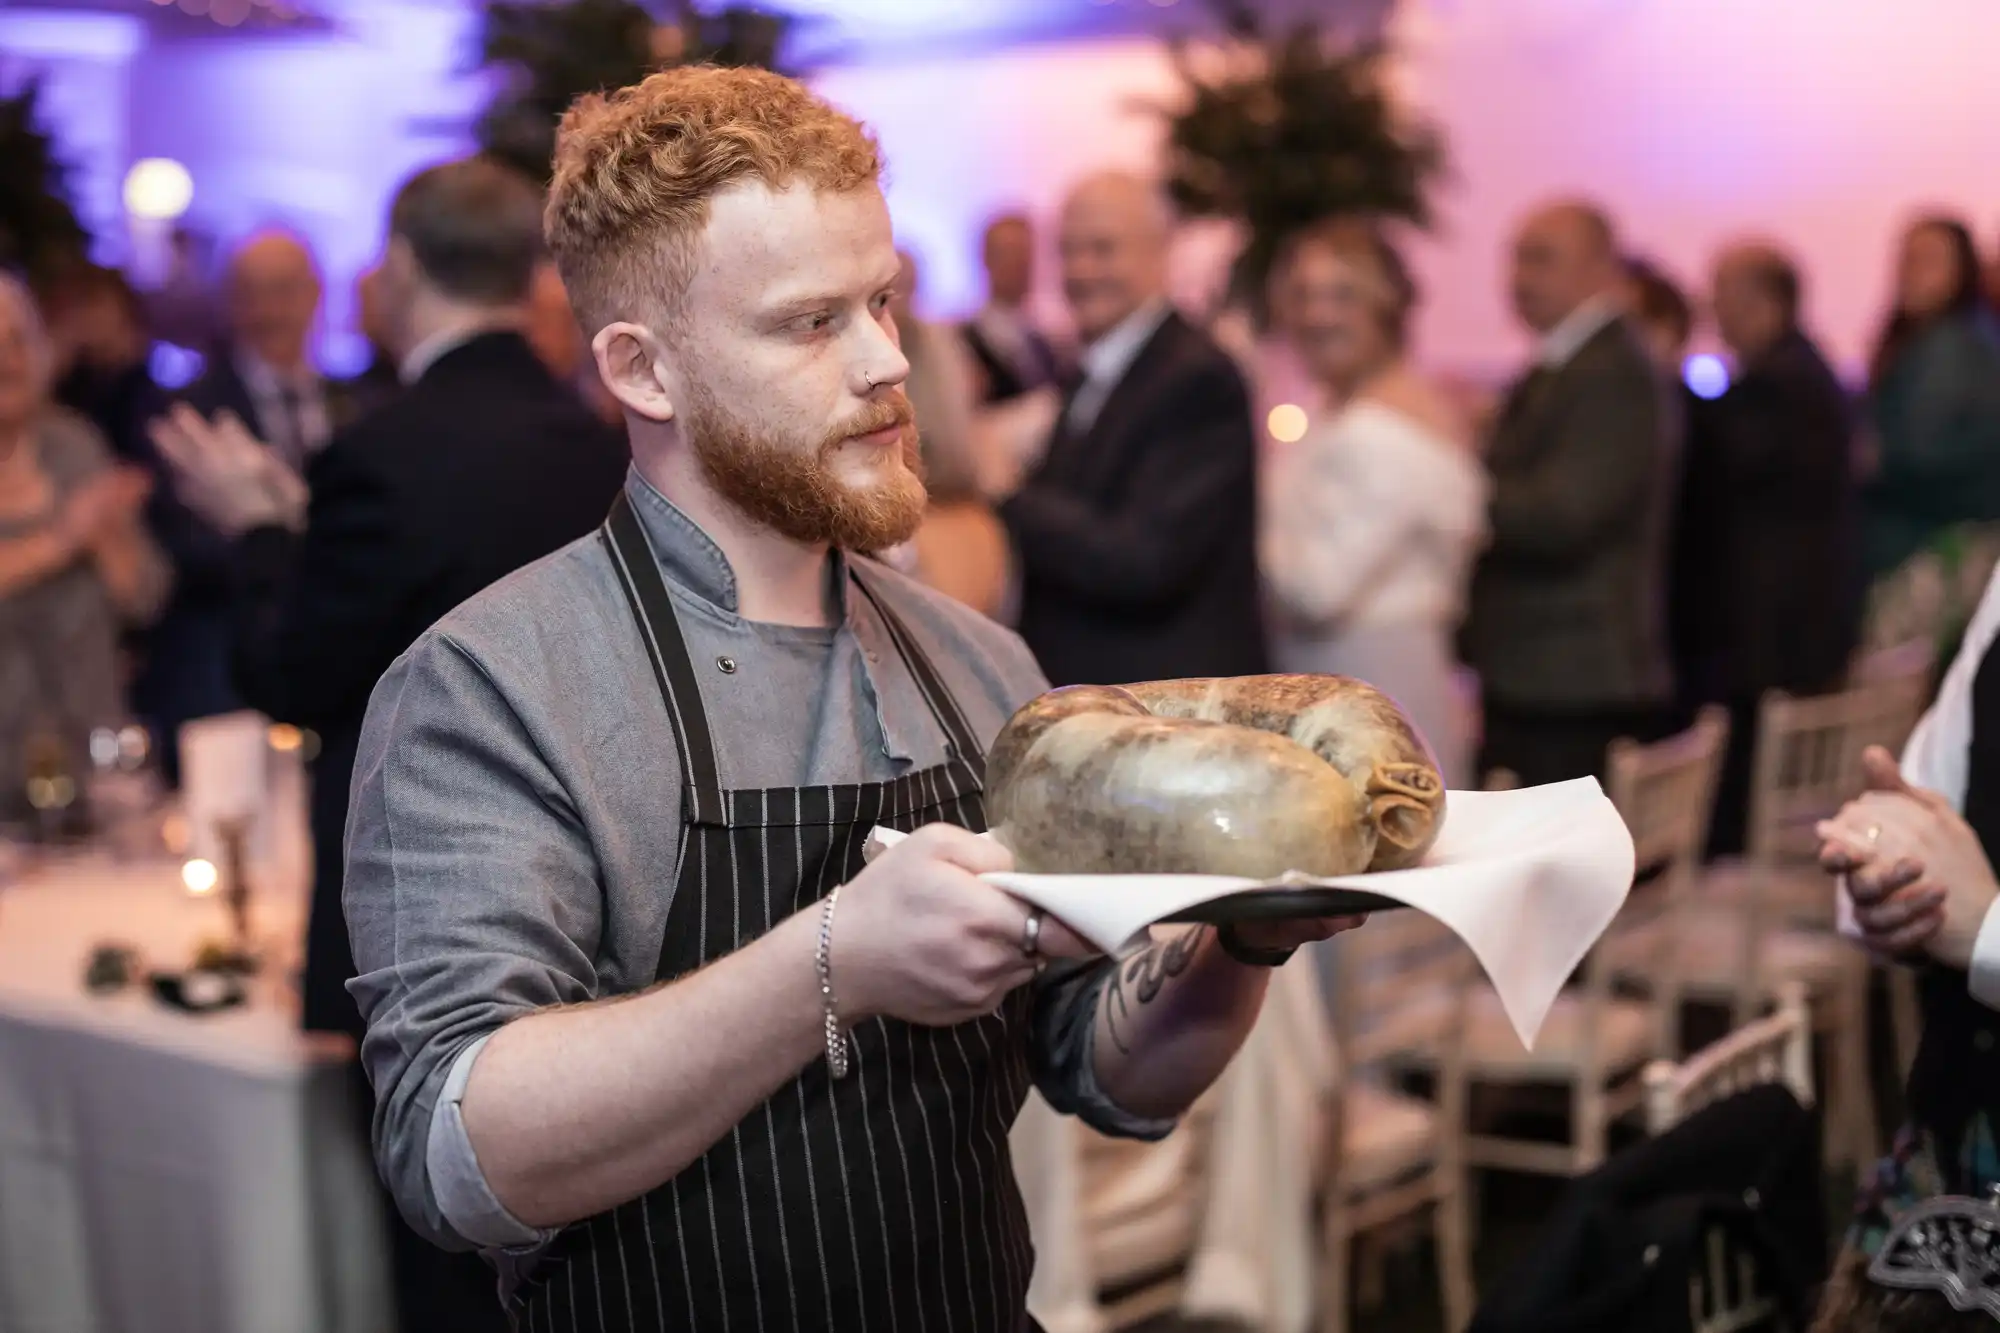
x: 969, y: 136
x: 312, y: 134
x: 1821, y: 122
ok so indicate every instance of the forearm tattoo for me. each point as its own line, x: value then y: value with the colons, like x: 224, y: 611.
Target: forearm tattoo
x: 1139, y: 976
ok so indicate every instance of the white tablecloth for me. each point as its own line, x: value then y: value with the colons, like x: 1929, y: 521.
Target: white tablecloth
x: 161, y: 1171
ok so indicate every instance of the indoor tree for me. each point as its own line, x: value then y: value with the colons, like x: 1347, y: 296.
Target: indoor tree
x: 553, y: 54
x: 1281, y: 130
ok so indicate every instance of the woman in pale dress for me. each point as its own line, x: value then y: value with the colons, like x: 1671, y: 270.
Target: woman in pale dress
x: 1372, y: 519
x: 76, y: 567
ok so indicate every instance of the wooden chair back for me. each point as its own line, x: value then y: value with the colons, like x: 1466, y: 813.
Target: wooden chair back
x: 1808, y: 757
x: 1402, y: 987
x: 1726, y: 1293
x: 1666, y: 794
x: 1774, y: 1049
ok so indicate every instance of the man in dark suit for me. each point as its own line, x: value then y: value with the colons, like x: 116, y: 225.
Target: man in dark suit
x: 485, y: 464
x: 1012, y: 355
x: 379, y: 381
x: 264, y: 373
x: 263, y: 376
x: 1566, y: 623
x: 98, y: 325
x: 1136, y: 534
x: 1771, y: 515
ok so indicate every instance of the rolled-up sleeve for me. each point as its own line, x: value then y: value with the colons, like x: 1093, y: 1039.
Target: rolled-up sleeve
x: 1062, y: 1054
x: 471, y: 898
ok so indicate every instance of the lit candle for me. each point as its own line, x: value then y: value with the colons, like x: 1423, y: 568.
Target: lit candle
x: 200, y: 877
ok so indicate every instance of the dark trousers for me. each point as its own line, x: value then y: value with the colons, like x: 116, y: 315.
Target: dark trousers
x: 1541, y: 747
x: 1729, y: 824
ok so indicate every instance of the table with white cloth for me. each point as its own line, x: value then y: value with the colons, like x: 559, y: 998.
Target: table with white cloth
x: 164, y: 1171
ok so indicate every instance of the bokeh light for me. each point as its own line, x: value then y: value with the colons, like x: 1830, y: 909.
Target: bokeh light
x: 1706, y: 376
x: 175, y: 367
x: 158, y: 188
x: 1287, y: 423
x: 199, y: 876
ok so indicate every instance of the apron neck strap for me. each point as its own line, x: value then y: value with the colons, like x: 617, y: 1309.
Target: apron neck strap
x: 652, y: 606
x: 639, y: 575
x: 937, y: 696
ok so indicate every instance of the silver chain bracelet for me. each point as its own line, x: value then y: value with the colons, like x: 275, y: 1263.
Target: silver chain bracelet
x: 836, y: 1040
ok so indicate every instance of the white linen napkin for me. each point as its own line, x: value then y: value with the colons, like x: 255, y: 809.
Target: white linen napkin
x: 1528, y: 879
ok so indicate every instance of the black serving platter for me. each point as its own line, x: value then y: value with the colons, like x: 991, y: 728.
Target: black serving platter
x: 1282, y: 904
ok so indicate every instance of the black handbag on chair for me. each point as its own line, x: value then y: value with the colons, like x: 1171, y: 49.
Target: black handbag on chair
x: 1718, y: 1223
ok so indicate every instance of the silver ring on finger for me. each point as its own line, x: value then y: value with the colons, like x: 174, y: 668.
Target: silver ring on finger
x: 1031, y: 933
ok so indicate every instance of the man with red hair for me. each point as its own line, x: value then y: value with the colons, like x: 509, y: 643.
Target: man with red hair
x: 605, y: 877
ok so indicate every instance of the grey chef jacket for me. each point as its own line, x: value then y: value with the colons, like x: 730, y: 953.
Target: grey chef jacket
x: 516, y: 820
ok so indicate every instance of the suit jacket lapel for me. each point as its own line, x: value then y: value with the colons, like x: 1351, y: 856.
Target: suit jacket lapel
x: 1127, y: 399
x: 1529, y: 400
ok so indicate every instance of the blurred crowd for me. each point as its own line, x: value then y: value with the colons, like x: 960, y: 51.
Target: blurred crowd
x: 1590, y: 551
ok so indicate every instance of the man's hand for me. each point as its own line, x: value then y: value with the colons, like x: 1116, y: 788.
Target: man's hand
x: 918, y: 936
x: 1293, y: 934
x: 1915, y: 869
x: 225, y: 474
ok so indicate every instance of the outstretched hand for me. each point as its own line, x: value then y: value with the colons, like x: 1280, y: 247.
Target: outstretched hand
x: 226, y: 474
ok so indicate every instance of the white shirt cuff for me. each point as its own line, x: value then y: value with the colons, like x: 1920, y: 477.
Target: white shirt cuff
x: 466, y: 1201
x: 1983, y: 977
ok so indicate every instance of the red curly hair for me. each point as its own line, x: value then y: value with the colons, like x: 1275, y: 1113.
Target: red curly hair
x: 634, y: 173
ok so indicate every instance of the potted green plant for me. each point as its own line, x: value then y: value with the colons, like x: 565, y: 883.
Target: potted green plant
x: 1281, y: 130
x: 552, y: 54
x: 40, y: 231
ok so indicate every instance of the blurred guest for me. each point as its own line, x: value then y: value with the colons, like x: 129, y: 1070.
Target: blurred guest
x: 551, y: 327
x: 1916, y: 853
x: 1137, y: 531
x: 264, y: 372
x: 1567, y: 618
x: 940, y: 389
x: 182, y: 309
x: 75, y: 565
x: 378, y: 381
x: 1777, y: 604
x: 1993, y: 280
x: 1373, y: 519
x: 1661, y: 313
x: 553, y: 332
x: 1933, y: 399
x: 485, y: 464
x: 1013, y: 356
x: 960, y: 549
x: 98, y: 326
x: 263, y: 377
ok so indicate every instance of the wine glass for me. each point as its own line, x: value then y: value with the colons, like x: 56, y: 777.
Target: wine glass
x: 51, y: 787
x: 124, y: 791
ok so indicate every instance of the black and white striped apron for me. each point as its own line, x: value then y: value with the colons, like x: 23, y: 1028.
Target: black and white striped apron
x: 882, y: 1202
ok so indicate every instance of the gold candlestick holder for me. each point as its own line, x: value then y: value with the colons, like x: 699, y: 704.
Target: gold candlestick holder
x: 240, y: 955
